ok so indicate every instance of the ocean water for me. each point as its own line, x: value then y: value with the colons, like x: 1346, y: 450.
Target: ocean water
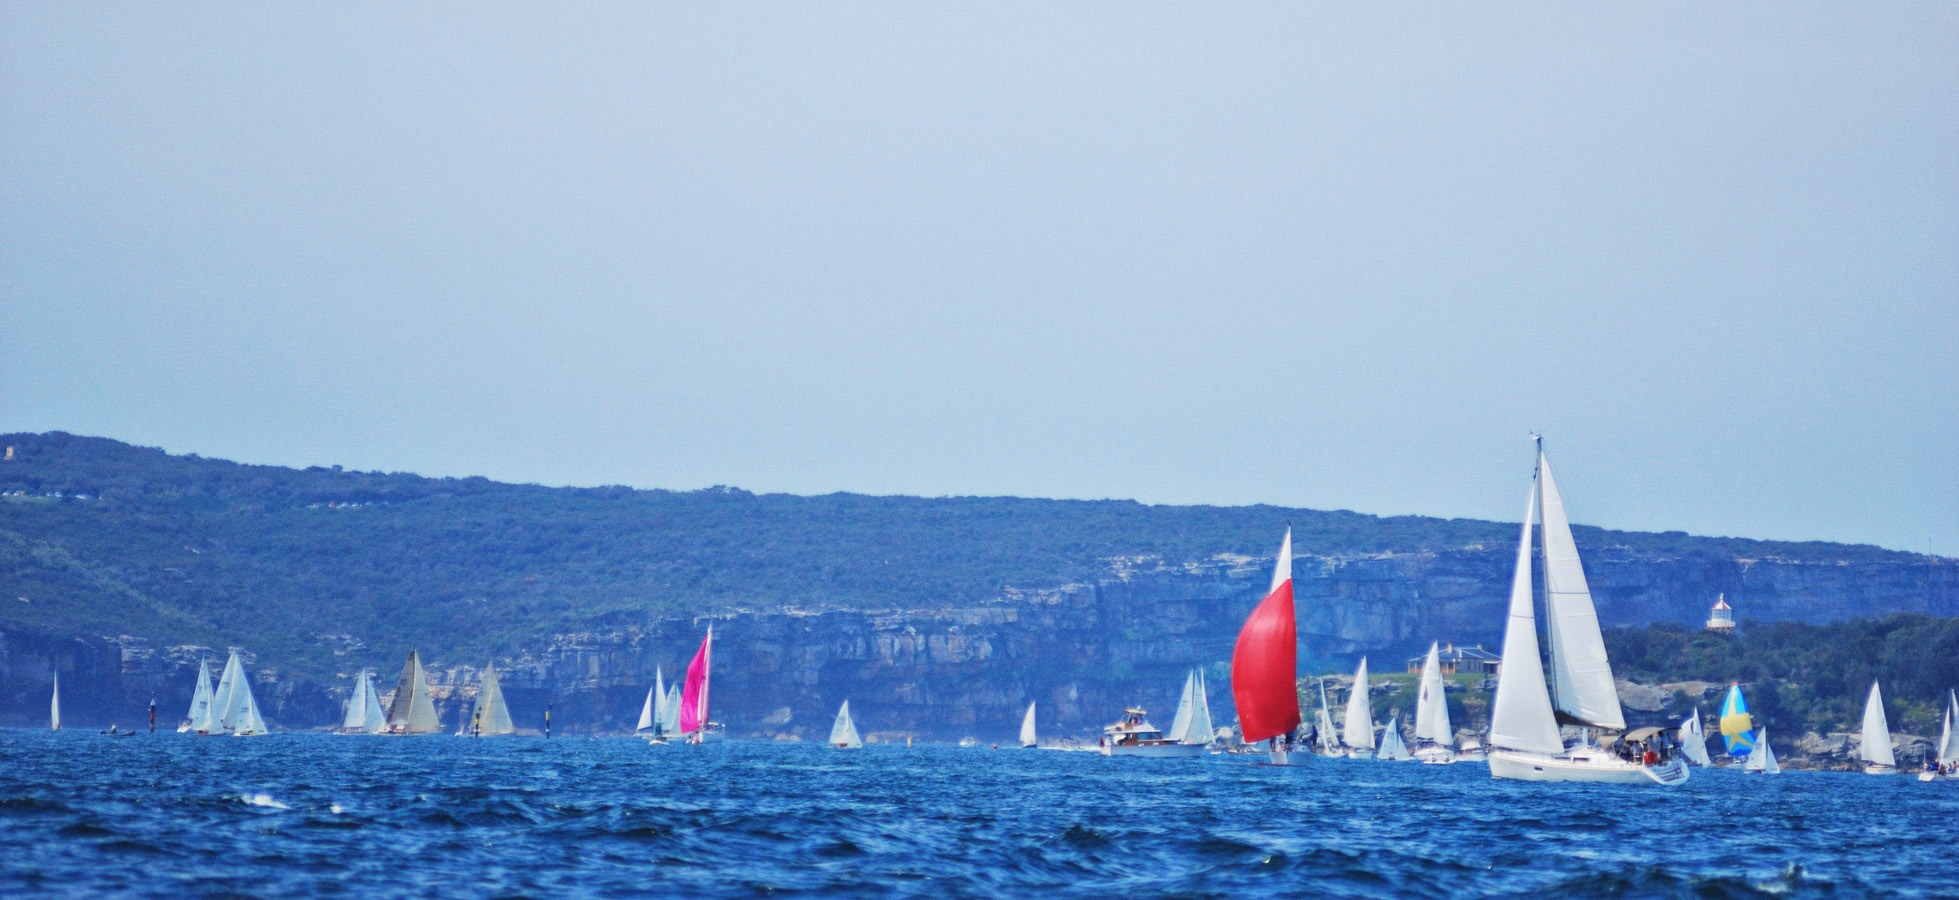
x: 313, y: 814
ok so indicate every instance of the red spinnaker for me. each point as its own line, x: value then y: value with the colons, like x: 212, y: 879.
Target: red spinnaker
x: 693, y: 696
x: 1263, y: 668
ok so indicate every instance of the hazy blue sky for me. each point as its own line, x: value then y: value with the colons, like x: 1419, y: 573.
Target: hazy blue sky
x: 1329, y: 256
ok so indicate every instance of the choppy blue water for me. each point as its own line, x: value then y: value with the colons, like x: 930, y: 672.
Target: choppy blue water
x: 374, y: 816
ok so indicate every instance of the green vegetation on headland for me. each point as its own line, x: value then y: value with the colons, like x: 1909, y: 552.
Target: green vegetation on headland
x: 1799, y: 677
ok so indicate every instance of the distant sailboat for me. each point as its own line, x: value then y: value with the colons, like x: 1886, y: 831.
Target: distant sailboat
x: 1693, y: 740
x: 667, y: 716
x: 1393, y: 748
x: 1876, y: 734
x: 54, y: 705
x: 843, y: 734
x: 413, y: 710
x: 1358, y: 733
x: 1435, y: 737
x: 1761, y: 760
x: 1027, y: 728
x: 1949, y: 738
x: 1265, y: 666
x: 1329, y: 737
x: 649, y: 720
x: 364, y: 715
x: 233, y: 709
x: 1737, y: 727
x: 693, y: 724
x: 1525, y: 743
x: 1192, y: 723
x: 198, y: 719
x: 492, y: 714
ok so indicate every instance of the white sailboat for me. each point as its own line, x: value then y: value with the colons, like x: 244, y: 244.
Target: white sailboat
x: 1761, y: 760
x: 233, y: 709
x: 843, y: 734
x: 648, y: 718
x: 1192, y: 723
x: 492, y: 714
x: 1876, y: 735
x: 1693, y: 740
x: 198, y: 719
x: 1358, y: 732
x: 54, y: 705
x: 667, y: 718
x: 1524, y: 740
x: 364, y: 714
x: 413, y: 710
x: 1329, y: 737
x: 1435, y: 737
x: 1027, y: 728
x: 1949, y: 737
x: 1393, y: 748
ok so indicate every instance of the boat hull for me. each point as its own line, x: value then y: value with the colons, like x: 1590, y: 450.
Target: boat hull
x: 1593, y: 767
x: 1290, y: 757
x: 1875, y: 769
x: 1156, y: 751
x: 1360, y: 754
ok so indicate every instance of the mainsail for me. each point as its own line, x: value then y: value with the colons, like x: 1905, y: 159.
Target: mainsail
x: 844, y: 733
x: 1027, y: 727
x: 364, y: 714
x: 1737, y: 727
x: 413, y: 710
x: 1323, y: 723
x: 1948, y: 740
x: 1693, y: 741
x: 492, y: 714
x: 54, y: 705
x: 199, y: 717
x: 1393, y: 748
x: 1876, y: 732
x: 1264, y: 663
x: 649, y: 719
x: 1192, y: 724
x: 1762, y: 758
x: 1432, y: 706
x: 668, y: 715
x: 1359, y: 730
x: 1180, y: 723
x: 1581, y: 675
x: 1521, y: 716
x: 233, y: 709
x: 693, y: 696
x: 646, y: 712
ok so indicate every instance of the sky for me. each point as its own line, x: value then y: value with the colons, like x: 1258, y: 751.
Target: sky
x: 1332, y: 256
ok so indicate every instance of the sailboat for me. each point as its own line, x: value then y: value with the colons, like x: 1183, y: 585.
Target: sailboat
x: 1358, y: 731
x: 1761, y: 760
x: 233, y: 709
x: 693, y: 724
x: 666, y: 716
x: 649, y: 714
x: 1027, y: 728
x: 1435, y: 738
x: 413, y: 710
x: 364, y: 714
x: 1949, y: 737
x: 1192, y: 723
x: 843, y: 734
x: 1393, y: 748
x: 1329, y: 737
x: 1524, y: 740
x: 54, y: 705
x: 1693, y: 741
x: 1876, y: 734
x: 1737, y: 727
x: 1265, y: 667
x: 492, y: 714
x: 198, y: 719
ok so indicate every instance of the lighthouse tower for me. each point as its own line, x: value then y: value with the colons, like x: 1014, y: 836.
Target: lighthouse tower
x: 1722, y: 620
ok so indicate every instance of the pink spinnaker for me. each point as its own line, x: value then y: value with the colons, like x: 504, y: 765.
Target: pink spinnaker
x: 693, y: 694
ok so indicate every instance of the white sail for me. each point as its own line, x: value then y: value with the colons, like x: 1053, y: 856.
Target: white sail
x: 1693, y: 740
x: 413, y: 710
x: 355, y: 720
x: 1948, y: 741
x: 1359, y: 730
x: 1180, y: 723
x: 1323, y: 723
x: 222, y: 698
x: 1521, y: 716
x: 1201, y: 731
x: 669, y: 715
x: 844, y: 732
x: 373, y: 720
x: 1027, y: 727
x: 199, y: 716
x: 492, y: 714
x: 1762, y: 759
x: 1581, y: 675
x: 234, y: 710
x: 646, y: 712
x: 1432, y: 704
x: 1876, y: 732
x: 1393, y: 748
x: 54, y: 705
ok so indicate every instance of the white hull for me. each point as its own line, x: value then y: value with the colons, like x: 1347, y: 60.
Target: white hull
x: 1875, y: 769
x: 1291, y: 757
x: 1435, y: 756
x: 1160, y: 751
x: 1360, y: 754
x: 1581, y: 765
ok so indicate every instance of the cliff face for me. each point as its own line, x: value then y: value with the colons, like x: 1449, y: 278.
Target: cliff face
x: 1082, y: 651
